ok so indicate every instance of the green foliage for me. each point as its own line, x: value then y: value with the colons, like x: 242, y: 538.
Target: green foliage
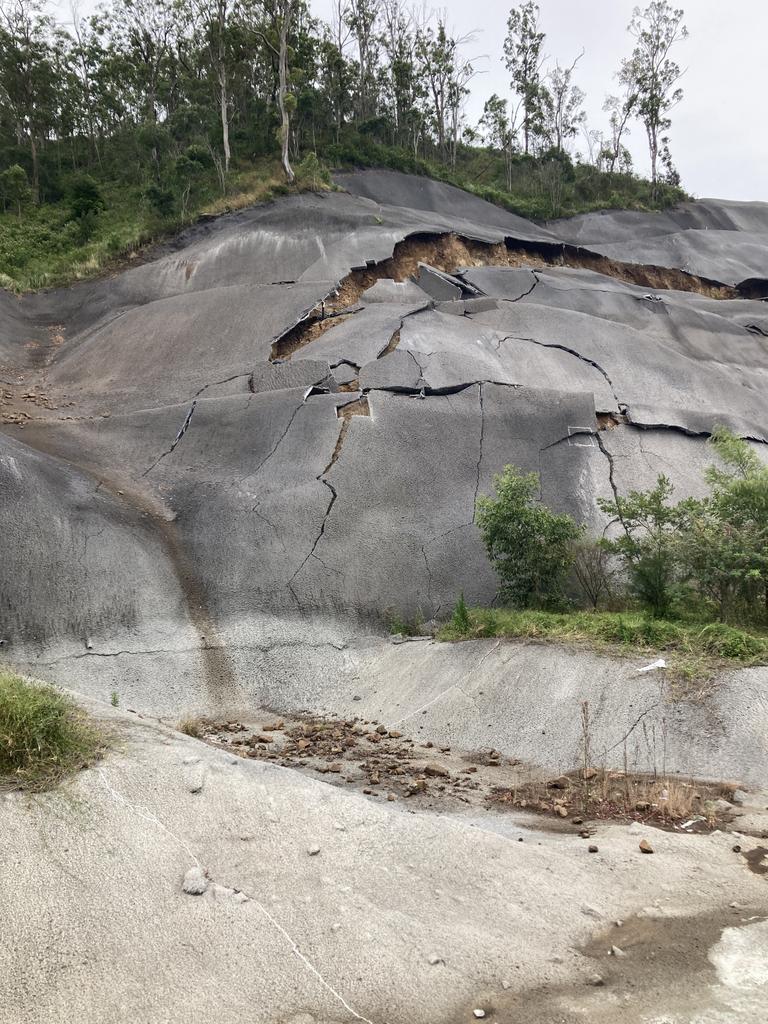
x: 460, y: 621
x: 14, y: 188
x: 724, y: 542
x: 399, y: 624
x: 85, y: 198
x: 698, y: 648
x: 647, y: 543
x: 43, y: 734
x: 530, y: 547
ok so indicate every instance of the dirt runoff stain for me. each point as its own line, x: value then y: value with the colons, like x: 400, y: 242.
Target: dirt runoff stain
x: 662, y: 973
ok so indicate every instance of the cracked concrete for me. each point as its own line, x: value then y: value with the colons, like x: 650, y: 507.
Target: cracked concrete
x: 324, y: 473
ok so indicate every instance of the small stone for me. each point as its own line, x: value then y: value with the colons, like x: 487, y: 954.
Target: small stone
x: 479, y: 1013
x: 391, y: 797
x: 739, y: 796
x: 195, y: 881
x: 563, y: 812
x: 335, y: 767
x: 592, y: 849
x: 436, y: 771
x: 357, y: 697
x: 577, y: 821
x: 642, y: 805
x: 736, y: 848
x: 645, y: 846
x: 435, y: 960
x: 619, y: 953
x: 506, y: 985
x: 560, y: 783
x: 394, y: 734
x: 367, y: 792
x: 596, y: 980
x: 313, y: 850
x: 381, y: 730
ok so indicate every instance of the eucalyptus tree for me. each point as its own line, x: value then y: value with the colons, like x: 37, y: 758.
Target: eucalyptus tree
x: 27, y: 75
x: 562, y: 105
x: 652, y: 72
x: 523, y: 47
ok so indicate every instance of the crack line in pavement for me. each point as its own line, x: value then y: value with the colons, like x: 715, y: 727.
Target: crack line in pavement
x: 453, y: 686
x: 188, y: 418
x: 148, y: 816
x: 480, y: 454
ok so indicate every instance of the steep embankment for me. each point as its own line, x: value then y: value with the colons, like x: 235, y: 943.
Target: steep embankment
x: 222, y: 469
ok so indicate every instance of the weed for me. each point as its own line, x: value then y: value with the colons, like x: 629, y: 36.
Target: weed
x: 43, y: 734
x: 698, y: 649
x: 114, y: 698
x: 192, y: 727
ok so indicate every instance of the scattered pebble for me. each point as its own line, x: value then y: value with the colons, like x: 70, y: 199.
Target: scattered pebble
x: 617, y: 952
x: 645, y: 846
x: 596, y: 980
x: 435, y: 960
x: 479, y: 1013
x: 195, y: 881
x: 313, y: 850
x: 592, y: 848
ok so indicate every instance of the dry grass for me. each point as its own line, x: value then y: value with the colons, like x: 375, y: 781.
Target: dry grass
x: 192, y: 726
x: 601, y: 794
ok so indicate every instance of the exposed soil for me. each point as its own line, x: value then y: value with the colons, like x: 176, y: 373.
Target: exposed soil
x: 602, y: 795
x: 449, y: 252
x: 383, y: 763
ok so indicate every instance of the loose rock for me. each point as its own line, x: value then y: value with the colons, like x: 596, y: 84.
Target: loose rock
x: 195, y: 881
x: 645, y: 846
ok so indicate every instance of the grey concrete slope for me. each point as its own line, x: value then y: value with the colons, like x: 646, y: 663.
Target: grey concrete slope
x: 216, y: 462
x: 320, y: 907
x: 721, y: 240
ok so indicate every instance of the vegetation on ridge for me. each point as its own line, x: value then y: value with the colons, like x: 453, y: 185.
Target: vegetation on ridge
x: 690, y: 577
x: 122, y: 126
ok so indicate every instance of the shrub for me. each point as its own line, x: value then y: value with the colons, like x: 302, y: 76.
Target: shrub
x: 14, y: 188
x: 647, y: 544
x: 530, y: 547
x: 85, y: 198
x: 460, y: 621
x: 43, y: 734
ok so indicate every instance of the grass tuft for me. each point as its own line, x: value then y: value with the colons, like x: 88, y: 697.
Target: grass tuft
x: 44, y: 735
x: 698, y: 649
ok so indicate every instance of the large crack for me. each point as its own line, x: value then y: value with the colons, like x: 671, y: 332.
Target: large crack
x: 571, y: 352
x: 345, y: 412
x: 449, y: 252
x: 188, y: 418
x: 479, y: 455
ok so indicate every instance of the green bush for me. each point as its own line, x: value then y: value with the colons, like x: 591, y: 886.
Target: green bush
x: 530, y: 547
x: 647, y: 544
x: 43, y: 734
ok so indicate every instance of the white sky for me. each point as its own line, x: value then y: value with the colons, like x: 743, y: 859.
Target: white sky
x: 717, y: 141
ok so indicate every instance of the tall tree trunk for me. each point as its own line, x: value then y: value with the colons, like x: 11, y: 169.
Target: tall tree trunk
x: 35, y: 164
x: 283, y: 90
x: 223, y: 107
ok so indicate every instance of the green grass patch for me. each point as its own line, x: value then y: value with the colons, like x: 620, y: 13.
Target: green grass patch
x: 45, y: 248
x: 43, y: 735
x: 696, y: 650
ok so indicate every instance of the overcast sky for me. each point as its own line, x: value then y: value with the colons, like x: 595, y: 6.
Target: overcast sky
x: 719, y: 139
x: 719, y: 136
